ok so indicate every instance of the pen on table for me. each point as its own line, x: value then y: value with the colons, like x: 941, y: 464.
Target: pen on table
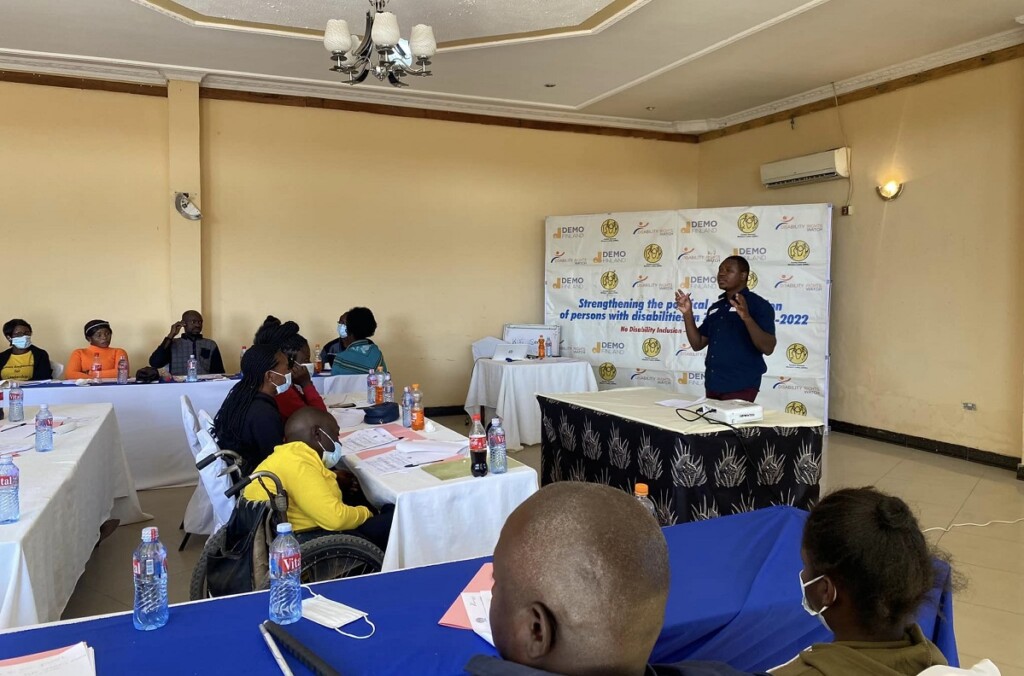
x: 8, y: 429
x: 420, y: 464
x: 278, y: 657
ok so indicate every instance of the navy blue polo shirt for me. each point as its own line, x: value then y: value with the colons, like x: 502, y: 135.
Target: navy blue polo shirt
x: 733, y: 362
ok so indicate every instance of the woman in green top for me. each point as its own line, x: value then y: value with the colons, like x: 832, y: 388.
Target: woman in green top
x: 359, y: 354
x: 867, y: 569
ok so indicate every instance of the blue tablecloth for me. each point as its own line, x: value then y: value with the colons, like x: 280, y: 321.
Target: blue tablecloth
x: 734, y: 597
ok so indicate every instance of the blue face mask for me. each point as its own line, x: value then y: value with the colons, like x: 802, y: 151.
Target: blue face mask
x: 342, y: 331
x: 332, y: 457
x: 21, y: 342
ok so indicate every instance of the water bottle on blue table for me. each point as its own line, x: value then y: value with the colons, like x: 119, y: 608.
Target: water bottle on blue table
x: 192, y: 370
x: 496, y: 443
x: 44, y: 429
x: 9, y: 480
x: 285, y: 571
x: 149, y: 564
x: 16, y: 411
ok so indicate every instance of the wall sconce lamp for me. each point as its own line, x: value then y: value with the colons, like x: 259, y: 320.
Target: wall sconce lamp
x: 186, y: 207
x: 890, y: 191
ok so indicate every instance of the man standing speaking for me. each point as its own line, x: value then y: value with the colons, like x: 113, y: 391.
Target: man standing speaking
x: 739, y: 331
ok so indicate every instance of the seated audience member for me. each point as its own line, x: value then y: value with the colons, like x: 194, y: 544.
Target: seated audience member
x: 98, y: 333
x: 581, y: 580
x: 23, y: 361
x: 286, y: 338
x: 306, y: 465
x: 248, y: 421
x: 336, y: 345
x: 359, y: 353
x: 176, y: 351
x: 867, y: 569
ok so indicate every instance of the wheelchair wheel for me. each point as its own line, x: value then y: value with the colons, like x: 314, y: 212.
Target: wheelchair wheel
x: 333, y: 557
x: 197, y: 589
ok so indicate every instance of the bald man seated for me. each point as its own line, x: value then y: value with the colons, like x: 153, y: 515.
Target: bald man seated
x: 581, y: 580
x: 305, y: 463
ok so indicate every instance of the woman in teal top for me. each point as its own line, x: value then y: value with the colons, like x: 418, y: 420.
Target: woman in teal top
x: 358, y: 353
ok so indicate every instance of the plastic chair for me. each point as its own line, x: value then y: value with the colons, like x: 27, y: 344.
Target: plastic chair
x: 205, y: 421
x: 485, y: 347
x: 982, y: 668
x: 58, y: 370
x: 215, y: 478
x: 199, y: 515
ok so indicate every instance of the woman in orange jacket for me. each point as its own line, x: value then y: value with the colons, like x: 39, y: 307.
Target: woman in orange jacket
x: 98, y: 333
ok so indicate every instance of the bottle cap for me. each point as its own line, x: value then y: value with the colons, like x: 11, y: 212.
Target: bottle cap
x: 415, y: 386
x: 475, y: 416
x: 150, y: 534
x: 44, y: 407
x: 640, y: 489
x: 496, y: 421
x: 283, y: 528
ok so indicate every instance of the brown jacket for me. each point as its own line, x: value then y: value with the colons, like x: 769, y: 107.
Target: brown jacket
x: 907, y: 657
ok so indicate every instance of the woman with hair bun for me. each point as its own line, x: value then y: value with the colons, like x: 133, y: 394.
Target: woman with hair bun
x: 867, y: 569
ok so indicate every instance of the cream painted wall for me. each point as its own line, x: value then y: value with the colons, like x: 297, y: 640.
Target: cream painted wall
x: 436, y: 226
x: 83, y: 211
x: 927, y: 303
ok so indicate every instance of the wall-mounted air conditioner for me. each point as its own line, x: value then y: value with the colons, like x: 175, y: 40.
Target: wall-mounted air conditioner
x: 826, y: 166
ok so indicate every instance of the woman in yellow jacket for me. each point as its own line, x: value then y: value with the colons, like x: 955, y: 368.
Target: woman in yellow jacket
x: 98, y: 333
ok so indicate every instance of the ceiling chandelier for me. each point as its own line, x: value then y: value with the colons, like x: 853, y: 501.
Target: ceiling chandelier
x: 380, y: 52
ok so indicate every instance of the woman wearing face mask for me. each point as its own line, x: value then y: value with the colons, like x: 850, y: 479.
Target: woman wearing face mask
x: 867, y: 569
x: 306, y: 465
x: 23, y: 361
x: 98, y: 333
x: 359, y: 354
x: 286, y: 338
x: 248, y: 421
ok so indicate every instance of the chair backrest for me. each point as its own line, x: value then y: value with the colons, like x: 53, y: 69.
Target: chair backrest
x: 485, y: 347
x: 57, y: 368
x: 205, y: 420
x: 215, y: 485
x: 191, y: 424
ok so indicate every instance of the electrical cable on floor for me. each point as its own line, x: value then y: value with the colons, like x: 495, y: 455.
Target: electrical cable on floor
x: 978, y: 525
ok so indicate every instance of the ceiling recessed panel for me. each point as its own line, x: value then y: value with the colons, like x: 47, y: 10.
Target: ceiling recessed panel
x: 453, y: 20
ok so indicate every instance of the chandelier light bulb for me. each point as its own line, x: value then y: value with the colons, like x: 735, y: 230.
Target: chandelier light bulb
x: 385, y: 30
x: 336, y: 37
x: 422, y: 42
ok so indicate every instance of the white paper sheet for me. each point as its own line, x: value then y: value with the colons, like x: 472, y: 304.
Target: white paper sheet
x: 478, y: 609
x: 76, y: 660
x: 390, y: 462
x: 365, y: 439
x: 681, y: 403
x: 425, y: 450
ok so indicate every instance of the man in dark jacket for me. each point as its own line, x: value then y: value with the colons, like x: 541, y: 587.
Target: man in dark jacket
x: 174, y: 352
x: 580, y: 584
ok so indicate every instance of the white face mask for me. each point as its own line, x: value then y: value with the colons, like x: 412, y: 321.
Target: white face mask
x: 333, y: 615
x: 807, y: 606
x: 332, y: 457
x: 283, y: 387
x: 342, y: 331
x: 21, y: 342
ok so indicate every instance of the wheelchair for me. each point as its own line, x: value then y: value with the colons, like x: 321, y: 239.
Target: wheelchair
x: 235, y: 559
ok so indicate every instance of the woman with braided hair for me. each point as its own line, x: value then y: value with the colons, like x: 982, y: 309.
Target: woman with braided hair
x: 867, y: 569
x: 286, y: 338
x: 248, y: 421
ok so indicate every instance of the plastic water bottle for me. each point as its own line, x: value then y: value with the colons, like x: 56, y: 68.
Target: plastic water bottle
x: 149, y: 564
x: 285, y: 570
x: 16, y: 412
x: 496, y: 444
x: 389, y: 389
x: 477, y: 447
x: 122, y: 370
x: 191, y: 370
x: 418, y: 421
x: 97, y: 367
x: 44, y: 429
x: 406, y: 407
x: 371, y: 387
x: 9, y: 475
x: 640, y: 493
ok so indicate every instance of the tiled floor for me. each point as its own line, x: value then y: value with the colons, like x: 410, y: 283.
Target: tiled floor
x: 989, y: 616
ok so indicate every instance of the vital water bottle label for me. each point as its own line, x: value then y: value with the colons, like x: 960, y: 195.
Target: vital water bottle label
x: 147, y: 568
x: 284, y: 565
x: 8, y: 482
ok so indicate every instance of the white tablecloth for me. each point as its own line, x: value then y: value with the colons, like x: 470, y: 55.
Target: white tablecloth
x: 437, y: 521
x: 65, y: 495
x: 510, y: 388
x: 150, y: 419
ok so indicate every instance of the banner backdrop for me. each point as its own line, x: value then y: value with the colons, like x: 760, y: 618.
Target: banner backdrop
x: 610, y: 282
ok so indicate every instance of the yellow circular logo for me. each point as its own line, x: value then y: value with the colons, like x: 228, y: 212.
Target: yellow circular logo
x: 607, y: 371
x: 751, y: 280
x: 651, y: 347
x: 609, y: 280
x: 653, y: 253
x: 747, y: 223
x: 610, y: 228
x: 796, y: 408
x: 799, y: 250
x: 796, y: 353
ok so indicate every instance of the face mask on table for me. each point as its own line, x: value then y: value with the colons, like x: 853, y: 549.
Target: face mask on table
x: 333, y: 615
